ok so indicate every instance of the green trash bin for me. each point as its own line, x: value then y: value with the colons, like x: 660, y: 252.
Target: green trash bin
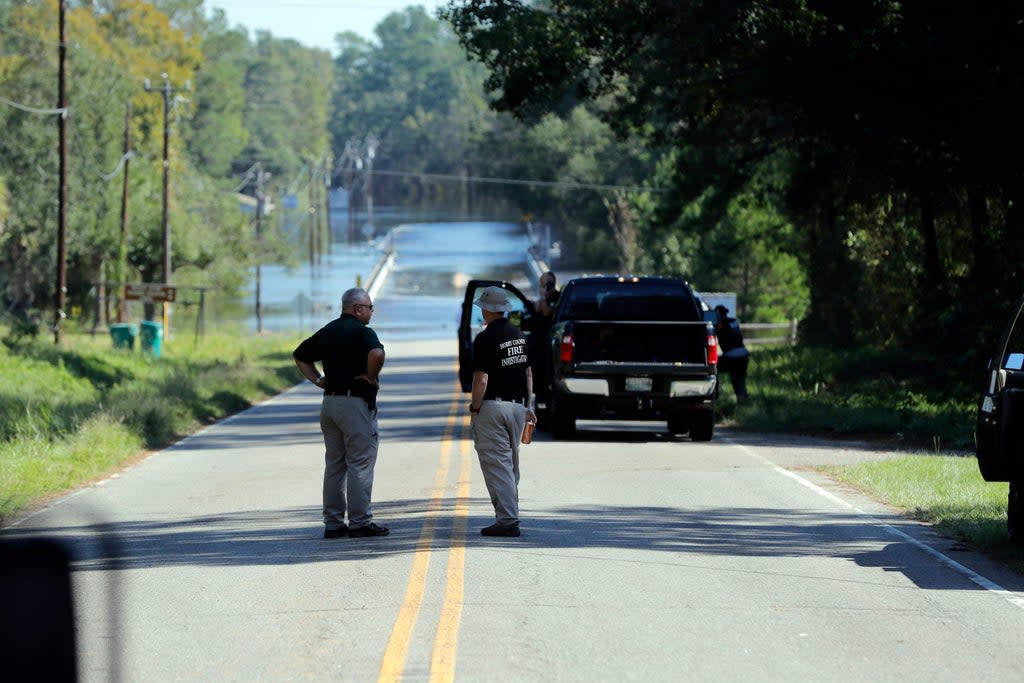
x: 124, y: 335
x: 151, y: 335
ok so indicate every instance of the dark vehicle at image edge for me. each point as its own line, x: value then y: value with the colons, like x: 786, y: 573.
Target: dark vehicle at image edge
x: 1000, y: 426
x: 620, y: 348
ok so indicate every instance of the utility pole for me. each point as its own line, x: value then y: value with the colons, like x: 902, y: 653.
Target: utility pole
x: 345, y: 164
x: 166, y: 91
x: 371, y: 151
x: 328, y: 165
x: 122, y: 251
x: 314, y: 221
x: 62, y: 203
x: 261, y: 200
x: 359, y: 168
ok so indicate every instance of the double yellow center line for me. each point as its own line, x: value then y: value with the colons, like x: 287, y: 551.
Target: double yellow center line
x: 442, y: 661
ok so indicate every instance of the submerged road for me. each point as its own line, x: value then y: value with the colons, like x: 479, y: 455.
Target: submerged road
x: 642, y: 558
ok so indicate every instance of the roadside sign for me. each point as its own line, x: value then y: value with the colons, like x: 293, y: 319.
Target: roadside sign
x: 150, y: 293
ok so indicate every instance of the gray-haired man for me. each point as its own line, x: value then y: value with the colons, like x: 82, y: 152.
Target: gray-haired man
x: 352, y: 359
x: 502, y: 387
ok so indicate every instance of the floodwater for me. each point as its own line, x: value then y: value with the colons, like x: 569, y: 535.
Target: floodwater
x: 421, y: 297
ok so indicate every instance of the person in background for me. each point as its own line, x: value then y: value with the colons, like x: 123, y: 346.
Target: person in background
x: 352, y: 357
x: 499, y: 407
x: 549, y: 295
x: 734, y: 356
x: 540, y: 329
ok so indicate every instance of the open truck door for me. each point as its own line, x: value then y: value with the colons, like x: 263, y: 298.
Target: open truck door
x: 1000, y: 427
x: 471, y: 322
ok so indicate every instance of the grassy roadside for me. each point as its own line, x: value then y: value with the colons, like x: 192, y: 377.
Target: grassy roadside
x: 72, y: 413
x: 912, y: 400
x: 922, y: 405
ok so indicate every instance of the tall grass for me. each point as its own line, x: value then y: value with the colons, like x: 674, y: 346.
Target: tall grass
x: 71, y: 413
x: 913, y: 398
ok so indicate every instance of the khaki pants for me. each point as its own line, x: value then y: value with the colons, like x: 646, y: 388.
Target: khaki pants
x: 497, y: 429
x: 350, y: 438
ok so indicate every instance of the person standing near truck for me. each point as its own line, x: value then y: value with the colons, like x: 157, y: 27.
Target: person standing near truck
x: 540, y: 328
x: 734, y: 356
x: 549, y: 295
x: 500, y: 407
x: 352, y: 358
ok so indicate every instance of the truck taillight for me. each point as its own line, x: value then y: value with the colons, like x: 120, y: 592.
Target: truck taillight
x: 712, y: 350
x: 565, y: 351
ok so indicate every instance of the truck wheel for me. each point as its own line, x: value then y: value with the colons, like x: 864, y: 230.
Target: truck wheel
x: 543, y: 419
x: 560, y: 420
x: 678, y: 424
x: 702, y: 425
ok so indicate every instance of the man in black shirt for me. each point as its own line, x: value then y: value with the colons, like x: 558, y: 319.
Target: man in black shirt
x: 734, y: 356
x: 502, y: 387
x: 540, y: 328
x: 352, y: 358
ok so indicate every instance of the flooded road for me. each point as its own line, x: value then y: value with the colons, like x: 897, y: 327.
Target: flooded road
x: 421, y: 296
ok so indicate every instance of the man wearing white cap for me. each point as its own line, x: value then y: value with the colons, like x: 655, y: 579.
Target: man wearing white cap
x: 500, y: 407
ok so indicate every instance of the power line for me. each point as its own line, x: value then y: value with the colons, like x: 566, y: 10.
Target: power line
x: 518, y: 181
x: 249, y: 176
x: 63, y: 111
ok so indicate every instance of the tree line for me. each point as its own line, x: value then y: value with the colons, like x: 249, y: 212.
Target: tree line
x: 872, y: 142
x: 850, y: 164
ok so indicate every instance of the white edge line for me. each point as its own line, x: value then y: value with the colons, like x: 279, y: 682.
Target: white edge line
x: 977, y: 578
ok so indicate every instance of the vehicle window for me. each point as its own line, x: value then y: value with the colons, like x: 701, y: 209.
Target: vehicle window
x: 629, y: 301
x: 1013, y: 358
x: 517, y: 315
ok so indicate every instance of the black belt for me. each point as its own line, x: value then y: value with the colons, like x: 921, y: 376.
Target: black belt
x: 520, y: 401
x: 359, y: 393
x: 370, y: 397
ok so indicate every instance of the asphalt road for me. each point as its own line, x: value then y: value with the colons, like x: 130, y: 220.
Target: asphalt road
x: 642, y: 558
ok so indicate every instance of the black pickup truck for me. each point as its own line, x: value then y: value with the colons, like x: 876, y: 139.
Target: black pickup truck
x: 628, y: 348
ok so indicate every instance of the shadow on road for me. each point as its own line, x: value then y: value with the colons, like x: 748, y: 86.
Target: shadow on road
x: 294, y: 536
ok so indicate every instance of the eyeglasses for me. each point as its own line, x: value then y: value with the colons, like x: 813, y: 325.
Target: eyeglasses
x: 370, y: 306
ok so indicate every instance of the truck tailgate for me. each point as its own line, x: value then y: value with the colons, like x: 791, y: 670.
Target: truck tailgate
x: 640, y: 343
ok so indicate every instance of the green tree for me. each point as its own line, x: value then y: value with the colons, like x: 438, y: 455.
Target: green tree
x: 418, y: 95
x: 884, y: 112
x: 217, y: 134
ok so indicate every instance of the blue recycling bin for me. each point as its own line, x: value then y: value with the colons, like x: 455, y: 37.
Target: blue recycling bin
x: 151, y: 336
x: 124, y: 335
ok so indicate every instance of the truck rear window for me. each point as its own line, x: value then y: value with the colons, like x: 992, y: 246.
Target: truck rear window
x: 628, y: 301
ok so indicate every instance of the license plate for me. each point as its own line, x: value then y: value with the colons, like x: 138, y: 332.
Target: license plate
x: 638, y: 384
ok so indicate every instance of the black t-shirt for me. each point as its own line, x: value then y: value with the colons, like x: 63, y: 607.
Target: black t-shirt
x: 500, y: 351
x: 541, y: 323
x: 729, y: 335
x: 342, y: 346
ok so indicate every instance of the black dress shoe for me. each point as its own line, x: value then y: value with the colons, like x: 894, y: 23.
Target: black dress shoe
x: 336, y: 533
x: 370, y: 529
x: 510, y: 530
